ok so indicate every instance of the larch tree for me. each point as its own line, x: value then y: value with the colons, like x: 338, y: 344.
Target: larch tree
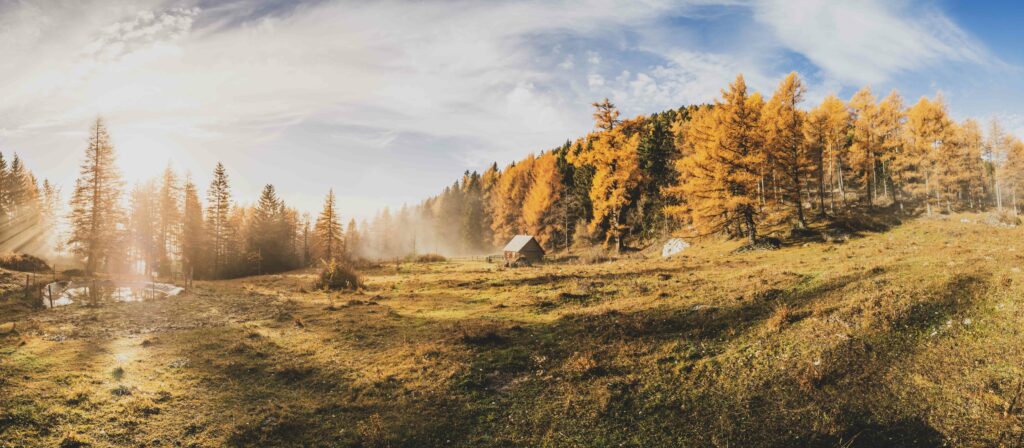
x: 972, y: 173
x: 866, y: 146
x: 784, y: 141
x: 95, y: 204
x: 1011, y: 170
x: 997, y: 149
x: 928, y: 128
x: 889, y: 124
x: 218, y: 220
x: 825, y: 131
x: 606, y: 115
x: 721, y: 165
x: 541, y: 205
x: 508, y: 196
x: 614, y: 159
x: 328, y: 229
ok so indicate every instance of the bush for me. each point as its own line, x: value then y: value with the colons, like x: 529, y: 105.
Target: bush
x: 23, y: 263
x: 431, y: 258
x: 337, y: 275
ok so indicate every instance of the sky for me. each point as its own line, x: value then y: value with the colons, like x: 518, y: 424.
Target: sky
x: 387, y: 102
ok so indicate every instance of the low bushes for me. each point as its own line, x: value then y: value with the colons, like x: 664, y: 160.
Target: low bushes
x: 431, y: 258
x: 338, y: 275
x: 23, y: 263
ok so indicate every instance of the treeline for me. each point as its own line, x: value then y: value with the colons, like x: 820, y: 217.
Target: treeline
x: 609, y: 182
x: 166, y: 229
x: 29, y: 210
x: 736, y: 166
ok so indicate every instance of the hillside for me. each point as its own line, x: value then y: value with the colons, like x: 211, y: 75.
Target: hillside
x: 909, y: 337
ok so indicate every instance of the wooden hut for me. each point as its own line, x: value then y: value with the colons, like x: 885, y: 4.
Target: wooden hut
x: 523, y: 249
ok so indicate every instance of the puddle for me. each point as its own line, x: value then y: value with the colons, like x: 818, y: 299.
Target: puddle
x: 66, y: 293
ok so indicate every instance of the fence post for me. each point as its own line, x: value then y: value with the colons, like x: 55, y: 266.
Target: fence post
x: 49, y: 292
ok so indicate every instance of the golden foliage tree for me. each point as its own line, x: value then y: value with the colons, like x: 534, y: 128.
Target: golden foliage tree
x: 928, y: 128
x: 826, y: 130
x: 613, y: 156
x: 784, y: 140
x: 508, y: 196
x: 866, y: 146
x: 539, y: 209
x: 721, y: 167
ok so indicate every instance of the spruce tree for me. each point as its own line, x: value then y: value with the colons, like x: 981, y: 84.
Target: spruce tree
x: 218, y: 220
x: 193, y: 234
x: 95, y: 204
x: 169, y: 228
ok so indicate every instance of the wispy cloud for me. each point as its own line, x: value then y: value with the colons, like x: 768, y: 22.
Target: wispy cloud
x: 389, y: 100
x: 869, y: 41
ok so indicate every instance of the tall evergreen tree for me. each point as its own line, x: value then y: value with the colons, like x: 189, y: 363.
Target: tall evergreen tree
x: 328, y: 229
x: 218, y: 220
x: 193, y: 232
x: 169, y: 227
x: 95, y: 204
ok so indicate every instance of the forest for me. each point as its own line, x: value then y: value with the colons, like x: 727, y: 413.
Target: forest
x: 733, y: 167
x: 743, y: 166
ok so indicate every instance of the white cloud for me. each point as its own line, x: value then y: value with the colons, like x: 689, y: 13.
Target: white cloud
x: 384, y: 99
x: 867, y: 41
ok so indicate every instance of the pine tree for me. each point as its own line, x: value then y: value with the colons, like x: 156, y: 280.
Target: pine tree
x: 193, y: 234
x: 17, y: 191
x: 268, y: 232
x: 784, y: 140
x: 169, y: 228
x: 353, y: 240
x: 143, y: 228
x: 328, y: 229
x: 656, y: 158
x: 472, y: 218
x: 95, y: 203
x: 5, y: 186
x: 218, y: 220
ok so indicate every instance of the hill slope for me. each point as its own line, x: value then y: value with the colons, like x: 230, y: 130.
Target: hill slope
x: 909, y: 337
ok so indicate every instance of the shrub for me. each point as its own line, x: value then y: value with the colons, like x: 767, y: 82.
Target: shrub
x: 23, y: 263
x: 431, y: 258
x: 337, y: 275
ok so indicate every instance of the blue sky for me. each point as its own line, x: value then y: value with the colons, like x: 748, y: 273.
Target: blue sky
x: 387, y: 102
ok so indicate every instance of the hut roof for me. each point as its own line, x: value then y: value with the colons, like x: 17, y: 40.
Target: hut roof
x: 521, y: 242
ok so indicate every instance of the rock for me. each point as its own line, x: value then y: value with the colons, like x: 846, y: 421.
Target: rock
x: 673, y: 246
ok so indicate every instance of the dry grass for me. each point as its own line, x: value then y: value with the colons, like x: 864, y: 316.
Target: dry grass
x: 910, y: 337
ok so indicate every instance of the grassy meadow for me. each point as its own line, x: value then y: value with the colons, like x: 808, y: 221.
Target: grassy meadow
x: 906, y: 337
